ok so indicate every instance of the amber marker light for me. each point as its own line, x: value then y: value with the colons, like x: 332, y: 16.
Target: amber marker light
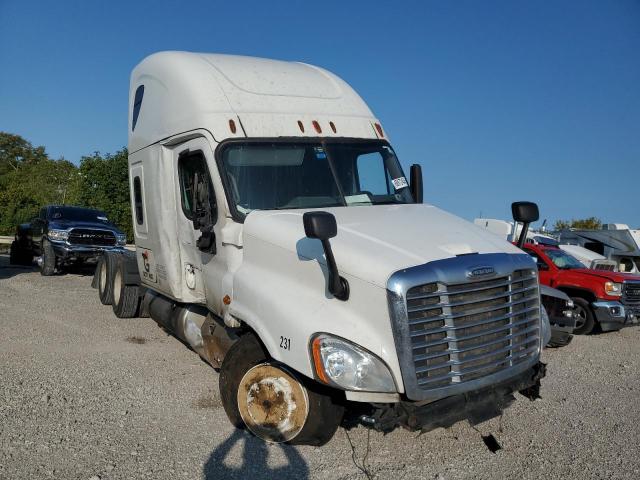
x: 333, y: 127
x: 226, y: 300
x: 317, y: 359
x: 316, y: 125
x: 300, y: 126
x: 379, y: 129
x: 232, y: 126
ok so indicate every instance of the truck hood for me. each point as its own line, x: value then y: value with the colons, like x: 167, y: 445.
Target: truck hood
x: 64, y: 225
x: 375, y: 241
x: 617, y: 277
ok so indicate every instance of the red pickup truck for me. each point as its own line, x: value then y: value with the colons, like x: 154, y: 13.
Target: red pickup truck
x: 608, y: 300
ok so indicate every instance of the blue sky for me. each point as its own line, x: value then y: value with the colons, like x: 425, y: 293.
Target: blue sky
x: 499, y: 101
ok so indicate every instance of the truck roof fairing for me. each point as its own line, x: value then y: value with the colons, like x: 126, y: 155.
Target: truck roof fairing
x: 185, y: 91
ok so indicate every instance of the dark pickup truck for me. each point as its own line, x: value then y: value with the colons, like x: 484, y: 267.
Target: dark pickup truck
x: 63, y: 235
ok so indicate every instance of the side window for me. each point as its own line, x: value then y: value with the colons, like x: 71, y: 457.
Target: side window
x: 539, y: 261
x: 372, y: 174
x: 137, y: 200
x: 137, y: 104
x: 188, y: 167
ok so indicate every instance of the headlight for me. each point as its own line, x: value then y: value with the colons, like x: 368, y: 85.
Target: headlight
x: 59, y: 235
x: 613, y: 289
x: 122, y: 239
x: 342, y: 364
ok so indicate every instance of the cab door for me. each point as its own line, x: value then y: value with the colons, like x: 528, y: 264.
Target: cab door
x: 199, y: 221
x: 192, y: 175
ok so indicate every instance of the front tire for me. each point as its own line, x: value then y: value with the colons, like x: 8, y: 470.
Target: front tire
x: 48, y: 260
x: 271, y: 401
x: 585, y: 319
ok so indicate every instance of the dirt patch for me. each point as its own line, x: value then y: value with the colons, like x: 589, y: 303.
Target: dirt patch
x: 136, y: 340
x: 207, y: 401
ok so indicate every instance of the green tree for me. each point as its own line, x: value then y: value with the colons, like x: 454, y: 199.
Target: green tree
x: 16, y: 152
x: 29, y: 179
x: 590, y: 223
x: 104, y: 184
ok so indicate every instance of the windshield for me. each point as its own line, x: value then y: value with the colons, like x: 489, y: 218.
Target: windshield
x: 288, y: 175
x: 563, y: 260
x: 77, y: 214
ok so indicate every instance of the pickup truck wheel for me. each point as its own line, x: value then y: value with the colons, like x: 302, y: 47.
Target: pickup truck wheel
x: 273, y: 402
x: 584, y: 316
x: 105, y: 279
x: 48, y: 261
x: 125, y: 297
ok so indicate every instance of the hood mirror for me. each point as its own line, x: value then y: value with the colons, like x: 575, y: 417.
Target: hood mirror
x: 323, y: 226
x: 524, y: 212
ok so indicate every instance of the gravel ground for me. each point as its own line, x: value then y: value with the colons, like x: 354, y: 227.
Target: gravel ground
x: 85, y: 395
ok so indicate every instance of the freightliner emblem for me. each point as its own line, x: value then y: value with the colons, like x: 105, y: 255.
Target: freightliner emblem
x: 480, y: 272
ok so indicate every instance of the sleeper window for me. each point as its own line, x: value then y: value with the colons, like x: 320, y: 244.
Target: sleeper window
x: 137, y: 199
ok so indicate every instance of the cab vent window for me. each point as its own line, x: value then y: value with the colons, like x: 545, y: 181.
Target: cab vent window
x: 137, y: 103
x: 137, y: 199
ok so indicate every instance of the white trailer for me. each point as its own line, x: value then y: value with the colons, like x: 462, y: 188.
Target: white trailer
x: 277, y: 235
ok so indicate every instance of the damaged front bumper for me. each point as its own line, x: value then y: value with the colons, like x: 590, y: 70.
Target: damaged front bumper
x: 614, y: 315
x: 475, y: 406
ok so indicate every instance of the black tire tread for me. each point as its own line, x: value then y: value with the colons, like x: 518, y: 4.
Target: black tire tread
x: 128, y: 305
x: 48, y: 266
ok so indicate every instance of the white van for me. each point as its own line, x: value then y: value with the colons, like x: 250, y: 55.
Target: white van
x: 277, y: 235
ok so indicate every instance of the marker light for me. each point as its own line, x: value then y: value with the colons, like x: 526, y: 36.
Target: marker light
x: 316, y: 125
x: 300, y: 126
x: 232, y: 126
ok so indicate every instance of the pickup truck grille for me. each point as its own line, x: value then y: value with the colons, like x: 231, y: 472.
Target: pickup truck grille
x: 464, y: 331
x: 631, y: 293
x: 84, y: 236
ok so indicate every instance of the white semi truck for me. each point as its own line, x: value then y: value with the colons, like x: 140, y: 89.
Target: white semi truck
x: 277, y: 235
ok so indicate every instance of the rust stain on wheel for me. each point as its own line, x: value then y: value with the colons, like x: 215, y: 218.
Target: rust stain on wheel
x: 272, y: 403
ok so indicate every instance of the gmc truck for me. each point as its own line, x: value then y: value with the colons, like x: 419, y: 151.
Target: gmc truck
x: 278, y: 236
x: 62, y: 235
x: 603, y: 299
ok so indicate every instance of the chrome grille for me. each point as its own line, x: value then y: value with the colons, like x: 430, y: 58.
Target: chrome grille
x: 464, y: 331
x: 631, y: 293
x: 86, y: 236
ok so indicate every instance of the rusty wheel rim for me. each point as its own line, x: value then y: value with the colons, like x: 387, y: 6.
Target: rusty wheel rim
x: 272, y: 403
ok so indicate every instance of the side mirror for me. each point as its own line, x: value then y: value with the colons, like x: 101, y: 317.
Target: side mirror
x: 416, y: 182
x: 320, y: 225
x: 323, y: 226
x: 525, y: 212
x: 202, y: 215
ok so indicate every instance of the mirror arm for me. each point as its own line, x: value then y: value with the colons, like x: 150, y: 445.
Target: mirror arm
x: 523, y: 234
x: 416, y: 182
x: 337, y: 285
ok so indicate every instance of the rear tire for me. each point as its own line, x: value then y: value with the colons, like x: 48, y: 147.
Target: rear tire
x: 247, y: 368
x: 585, y: 318
x: 125, y: 297
x: 18, y: 256
x: 48, y: 260
x: 105, y: 279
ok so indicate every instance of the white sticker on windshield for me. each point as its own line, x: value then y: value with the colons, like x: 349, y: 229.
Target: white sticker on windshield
x: 399, y: 183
